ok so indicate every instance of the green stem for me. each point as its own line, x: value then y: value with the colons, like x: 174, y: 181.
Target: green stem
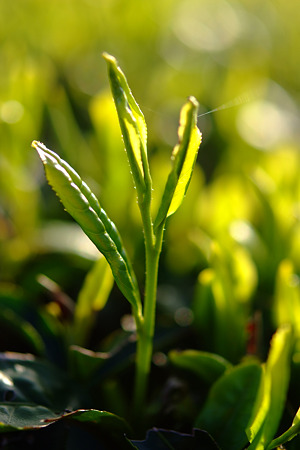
x: 146, y: 332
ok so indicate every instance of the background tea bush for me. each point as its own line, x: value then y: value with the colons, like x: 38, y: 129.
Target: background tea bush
x: 240, y: 220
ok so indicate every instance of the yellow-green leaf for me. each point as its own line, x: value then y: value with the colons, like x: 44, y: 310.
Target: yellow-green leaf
x: 92, y: 298
x: 84, y: 207
x: 272, y: 393
x: 184, y: 157
x: 132, y: 123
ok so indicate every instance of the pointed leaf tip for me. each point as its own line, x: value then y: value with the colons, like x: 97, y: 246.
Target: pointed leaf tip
x: 194, y: 101
x: 84, y: 207
x: 132, y: 124
x: 41, y: 149
x: 109, y: 57
x: 184, y: 158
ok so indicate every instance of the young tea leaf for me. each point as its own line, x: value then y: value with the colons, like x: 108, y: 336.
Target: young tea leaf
x: 84, y: 207
x: 184, y: 157
x: 132, y: 123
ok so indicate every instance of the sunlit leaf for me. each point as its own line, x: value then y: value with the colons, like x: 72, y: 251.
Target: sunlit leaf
x: 261, y: 407
x: 184, y: 157
x: 84, y: 207
x: 292, y: 432
x: 277, y: 375
x: 132, y: 122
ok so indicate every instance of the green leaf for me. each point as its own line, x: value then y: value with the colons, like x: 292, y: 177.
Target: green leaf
x: 92, y: 298
x: 207, y: 366
x: 277, y: 373
x: 132, y: 123
x: 27, y: 380
x: 286, y: 306
x: 292, y: 432
x: 36, y: 394
x: 215, y: 308
x: 98, y: 422
x: 167, y: 439
x: 261, y: 407
x: 229, y: 405
x: 84, y: 207
x: 16, y: 416
x: 85, y: 362
x: 184, y: 157
x: 22, y: 330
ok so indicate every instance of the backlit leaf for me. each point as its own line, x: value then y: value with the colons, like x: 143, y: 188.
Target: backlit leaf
x: 292, y: 432
x: 84, y: 207
x: 92, y: 298
x: 132, y: 122
x: 277, y: 375
x: 184, y: 157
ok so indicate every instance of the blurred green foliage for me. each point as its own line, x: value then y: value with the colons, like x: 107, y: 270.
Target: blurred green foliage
x: 238, y: 230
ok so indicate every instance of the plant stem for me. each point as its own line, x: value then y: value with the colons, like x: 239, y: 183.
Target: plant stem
x: 146, y: 332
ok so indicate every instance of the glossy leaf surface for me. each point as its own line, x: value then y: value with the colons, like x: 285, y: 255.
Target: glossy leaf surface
x: 35, y: 394
x: 132, y: 122
x: 14, y: 416
x: 84, y: 207
x: 184, y: 157
x: 26, y: 380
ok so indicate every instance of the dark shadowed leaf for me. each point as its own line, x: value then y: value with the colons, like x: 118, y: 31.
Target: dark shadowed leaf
x: 157, y: 439
x: 207, y: 366
x: 26, y: 380
x: 98, y: 422
x: 18, y: 416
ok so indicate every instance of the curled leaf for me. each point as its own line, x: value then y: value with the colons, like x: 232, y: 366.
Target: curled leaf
x: 184, y: 157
